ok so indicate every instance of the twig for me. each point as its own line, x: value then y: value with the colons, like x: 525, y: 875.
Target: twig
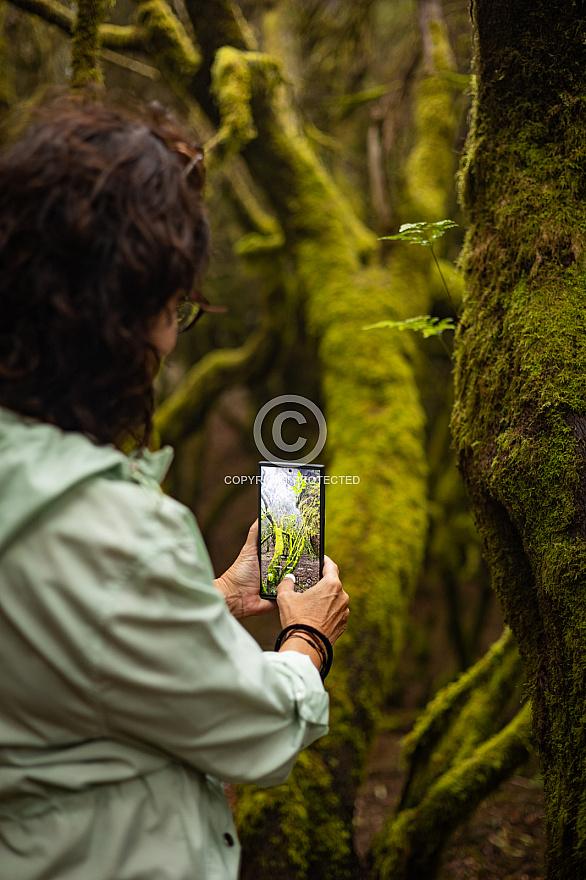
x: 130, y: 64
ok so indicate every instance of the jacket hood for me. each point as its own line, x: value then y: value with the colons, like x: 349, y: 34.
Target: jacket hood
x: 39, y: 463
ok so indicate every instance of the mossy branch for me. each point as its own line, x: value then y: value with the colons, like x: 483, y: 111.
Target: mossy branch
x: 112, y: 36
x: 232, y: 73
x: 7, y: 75
x: 308, y: 798
x: 254, y: 216
x: 85, y: 52
x: 430, y: 166
x: 128, y: 63
x: 157, y: 34
x: 168, y: 44
x: 410, y: 845
x: 183, y: 411
x: 440, y: 712
x: 263, y: 231
x: 283, y: 150
x: 219, y: 23
x: 461, y: 717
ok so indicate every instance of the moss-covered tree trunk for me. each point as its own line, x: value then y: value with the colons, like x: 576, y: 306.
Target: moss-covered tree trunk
x: 520, y: 415
x: 376, y: 528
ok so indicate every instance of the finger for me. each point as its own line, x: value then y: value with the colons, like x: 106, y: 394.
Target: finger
x: 287, y: 585
x: 330, y: 567
x: 253, y: 531
x: 265, y: 606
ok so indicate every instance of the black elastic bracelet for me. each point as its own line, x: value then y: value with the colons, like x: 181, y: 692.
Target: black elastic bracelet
x: 316, y: 645
x: 313, y: 644
x: 304, y: 627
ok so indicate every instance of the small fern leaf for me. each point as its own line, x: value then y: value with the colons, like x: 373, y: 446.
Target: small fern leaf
x: 421, y: 233
x: 424, y: 324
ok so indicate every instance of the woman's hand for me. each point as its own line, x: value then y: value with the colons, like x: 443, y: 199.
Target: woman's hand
x: 324, y: 606
x: 241, y: 583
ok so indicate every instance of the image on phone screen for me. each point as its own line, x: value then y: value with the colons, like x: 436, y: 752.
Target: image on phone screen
x: 291, y: 517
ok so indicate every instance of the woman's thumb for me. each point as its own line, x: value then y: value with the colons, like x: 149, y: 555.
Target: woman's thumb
x: 287, y: 584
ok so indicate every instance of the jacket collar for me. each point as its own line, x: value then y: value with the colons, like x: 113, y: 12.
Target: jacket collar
x: 39, y: 463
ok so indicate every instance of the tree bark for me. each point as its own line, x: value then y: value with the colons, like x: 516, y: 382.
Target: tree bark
x: 85, y: 50
x: 519, y: 420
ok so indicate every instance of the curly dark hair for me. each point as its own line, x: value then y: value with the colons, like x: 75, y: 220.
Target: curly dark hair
x: 101, y: 223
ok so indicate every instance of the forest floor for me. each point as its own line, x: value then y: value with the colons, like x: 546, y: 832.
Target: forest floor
x: 504, y: 838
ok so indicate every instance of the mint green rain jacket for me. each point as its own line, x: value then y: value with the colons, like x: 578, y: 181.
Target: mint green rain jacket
x: 126, y: 688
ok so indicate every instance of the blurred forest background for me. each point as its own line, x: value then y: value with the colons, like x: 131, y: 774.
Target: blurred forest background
x: 327, y: 124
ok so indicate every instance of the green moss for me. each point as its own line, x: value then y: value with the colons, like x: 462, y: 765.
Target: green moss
x: 252, y: 244
x: 521, y: 358
x: 303, y: 825
x: 410, y: 845
x: 231, y: 86
x: 7, y: 91
x: 86, y: 43
x: 440, y: 712
x: 170, y: 47
x: 527, y: 383
x: 430, y: 167
x: 462, y: 717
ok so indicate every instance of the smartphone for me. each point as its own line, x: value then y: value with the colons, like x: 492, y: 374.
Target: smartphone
x: 291, y: 507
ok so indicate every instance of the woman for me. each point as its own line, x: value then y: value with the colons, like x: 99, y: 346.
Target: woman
x: 126, y: 686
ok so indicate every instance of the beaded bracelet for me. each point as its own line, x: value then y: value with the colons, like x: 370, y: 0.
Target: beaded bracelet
x: 326, y: 658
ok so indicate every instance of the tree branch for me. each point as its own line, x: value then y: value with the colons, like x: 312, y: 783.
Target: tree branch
x: 183, y: 411
x: 231, y: 85
x: 132, y: 64
x: 168, y: 44
x: 411, y: 843
x: 462, y: 716
x: 112, y: 36
x: 85, y: 53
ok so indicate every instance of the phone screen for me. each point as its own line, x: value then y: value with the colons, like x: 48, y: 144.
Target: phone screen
x: 291, y: 517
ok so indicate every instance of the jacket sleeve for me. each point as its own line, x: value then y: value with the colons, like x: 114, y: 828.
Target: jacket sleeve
x: 178, y: 673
